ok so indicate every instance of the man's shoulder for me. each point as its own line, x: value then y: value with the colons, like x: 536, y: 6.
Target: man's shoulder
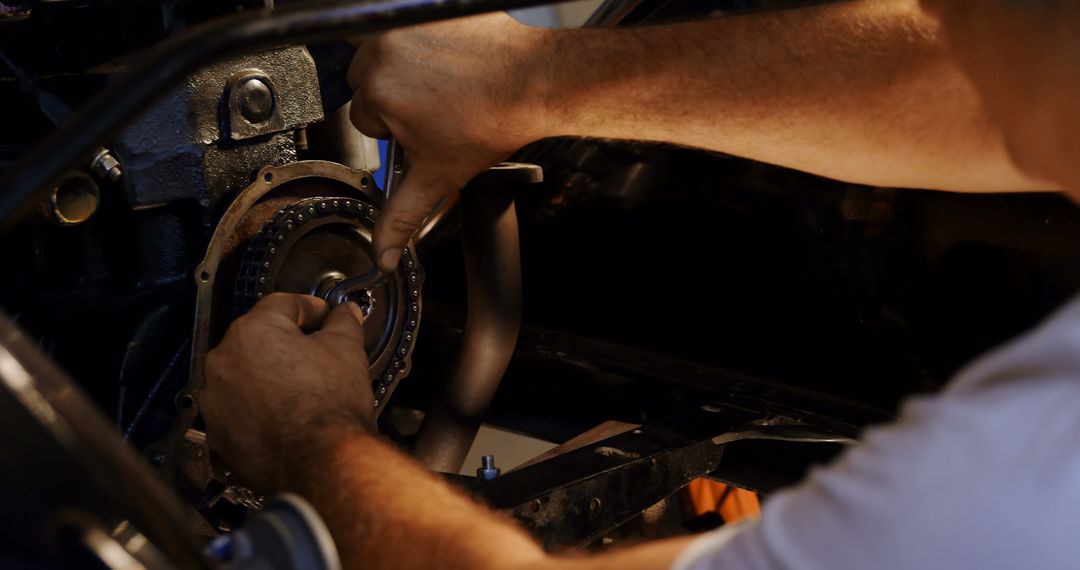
x: 983, y: 475
x: 1049, y: 353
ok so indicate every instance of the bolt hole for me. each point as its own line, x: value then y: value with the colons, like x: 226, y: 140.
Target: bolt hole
x: 204, y: 276
x: 363, y: 181
x: 75, y: 200
x: 268, y: 177
x: 534, y: 506
x: 594, y: 505
x: 187, y: 402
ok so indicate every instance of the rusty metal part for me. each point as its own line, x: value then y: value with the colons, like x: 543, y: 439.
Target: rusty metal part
x: 275, y: 189
x: 322, y: 246
x: 29, y: 181
x: 204, y: 138
x: 493, y: 273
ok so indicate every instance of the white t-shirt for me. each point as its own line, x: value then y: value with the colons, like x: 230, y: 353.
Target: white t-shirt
x: 985, y: 475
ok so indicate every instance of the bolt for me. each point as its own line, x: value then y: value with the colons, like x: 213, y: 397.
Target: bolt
x: 105, y: 165
x: 255, y: 100
x: 364, y: 299
x: 487, y: 470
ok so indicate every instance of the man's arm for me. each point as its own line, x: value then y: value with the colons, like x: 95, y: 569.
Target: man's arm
x: 289, y: 411
x: 858, y: 91
x: 386, y: 511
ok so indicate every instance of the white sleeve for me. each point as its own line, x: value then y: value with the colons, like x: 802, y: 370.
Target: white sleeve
x: 985, y: 475
x: 707, y: 543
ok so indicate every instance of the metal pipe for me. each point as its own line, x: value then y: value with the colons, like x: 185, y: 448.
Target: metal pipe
x: 489, y: 237
x: 28, y: 182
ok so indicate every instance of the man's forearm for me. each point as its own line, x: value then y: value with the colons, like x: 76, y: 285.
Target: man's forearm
x: 385, y: 511
x: 859, y: 91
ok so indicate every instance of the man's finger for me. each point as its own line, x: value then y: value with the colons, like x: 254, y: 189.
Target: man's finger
x: 364, y: 120
x: 304, y: 311
x: 403, y: 213
x: 345, y: 320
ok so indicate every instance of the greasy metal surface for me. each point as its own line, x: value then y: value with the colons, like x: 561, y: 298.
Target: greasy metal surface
x: 255, y: 108
x: 61, y: 459
x: 293, y: 78
x: 577, y: 497
x: 276, y: 188
x: 174, y: 151
x: 28, y: 182
x: 493, y: 275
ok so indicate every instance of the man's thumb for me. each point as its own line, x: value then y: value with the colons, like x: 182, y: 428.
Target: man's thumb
x: 406, y: 209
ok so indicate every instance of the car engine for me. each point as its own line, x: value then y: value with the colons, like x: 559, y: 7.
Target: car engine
x: 164, y: 164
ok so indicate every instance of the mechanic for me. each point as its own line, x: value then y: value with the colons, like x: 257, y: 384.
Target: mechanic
x: 983, y: 475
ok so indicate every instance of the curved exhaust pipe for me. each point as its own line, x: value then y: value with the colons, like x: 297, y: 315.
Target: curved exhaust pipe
x: 493, y: 319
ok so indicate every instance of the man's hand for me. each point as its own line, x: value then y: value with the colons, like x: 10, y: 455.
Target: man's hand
x: 284, y: 394
x: 459, y: 97
x: 288, y: 373
x: 1022, y: 57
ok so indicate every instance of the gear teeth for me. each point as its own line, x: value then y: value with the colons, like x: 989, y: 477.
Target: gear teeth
x: 253, y: 282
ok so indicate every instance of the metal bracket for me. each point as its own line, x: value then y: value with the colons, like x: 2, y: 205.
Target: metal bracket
x: 576, y: 498
x: 253, y: 106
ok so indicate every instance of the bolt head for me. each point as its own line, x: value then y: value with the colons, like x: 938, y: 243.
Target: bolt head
x: 255, y: 100
x: 106, y: 166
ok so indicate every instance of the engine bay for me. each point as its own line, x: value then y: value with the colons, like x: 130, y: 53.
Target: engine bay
x: 159, y: 178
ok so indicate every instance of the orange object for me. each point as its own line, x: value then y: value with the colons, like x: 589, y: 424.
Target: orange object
x: 732, y: 503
